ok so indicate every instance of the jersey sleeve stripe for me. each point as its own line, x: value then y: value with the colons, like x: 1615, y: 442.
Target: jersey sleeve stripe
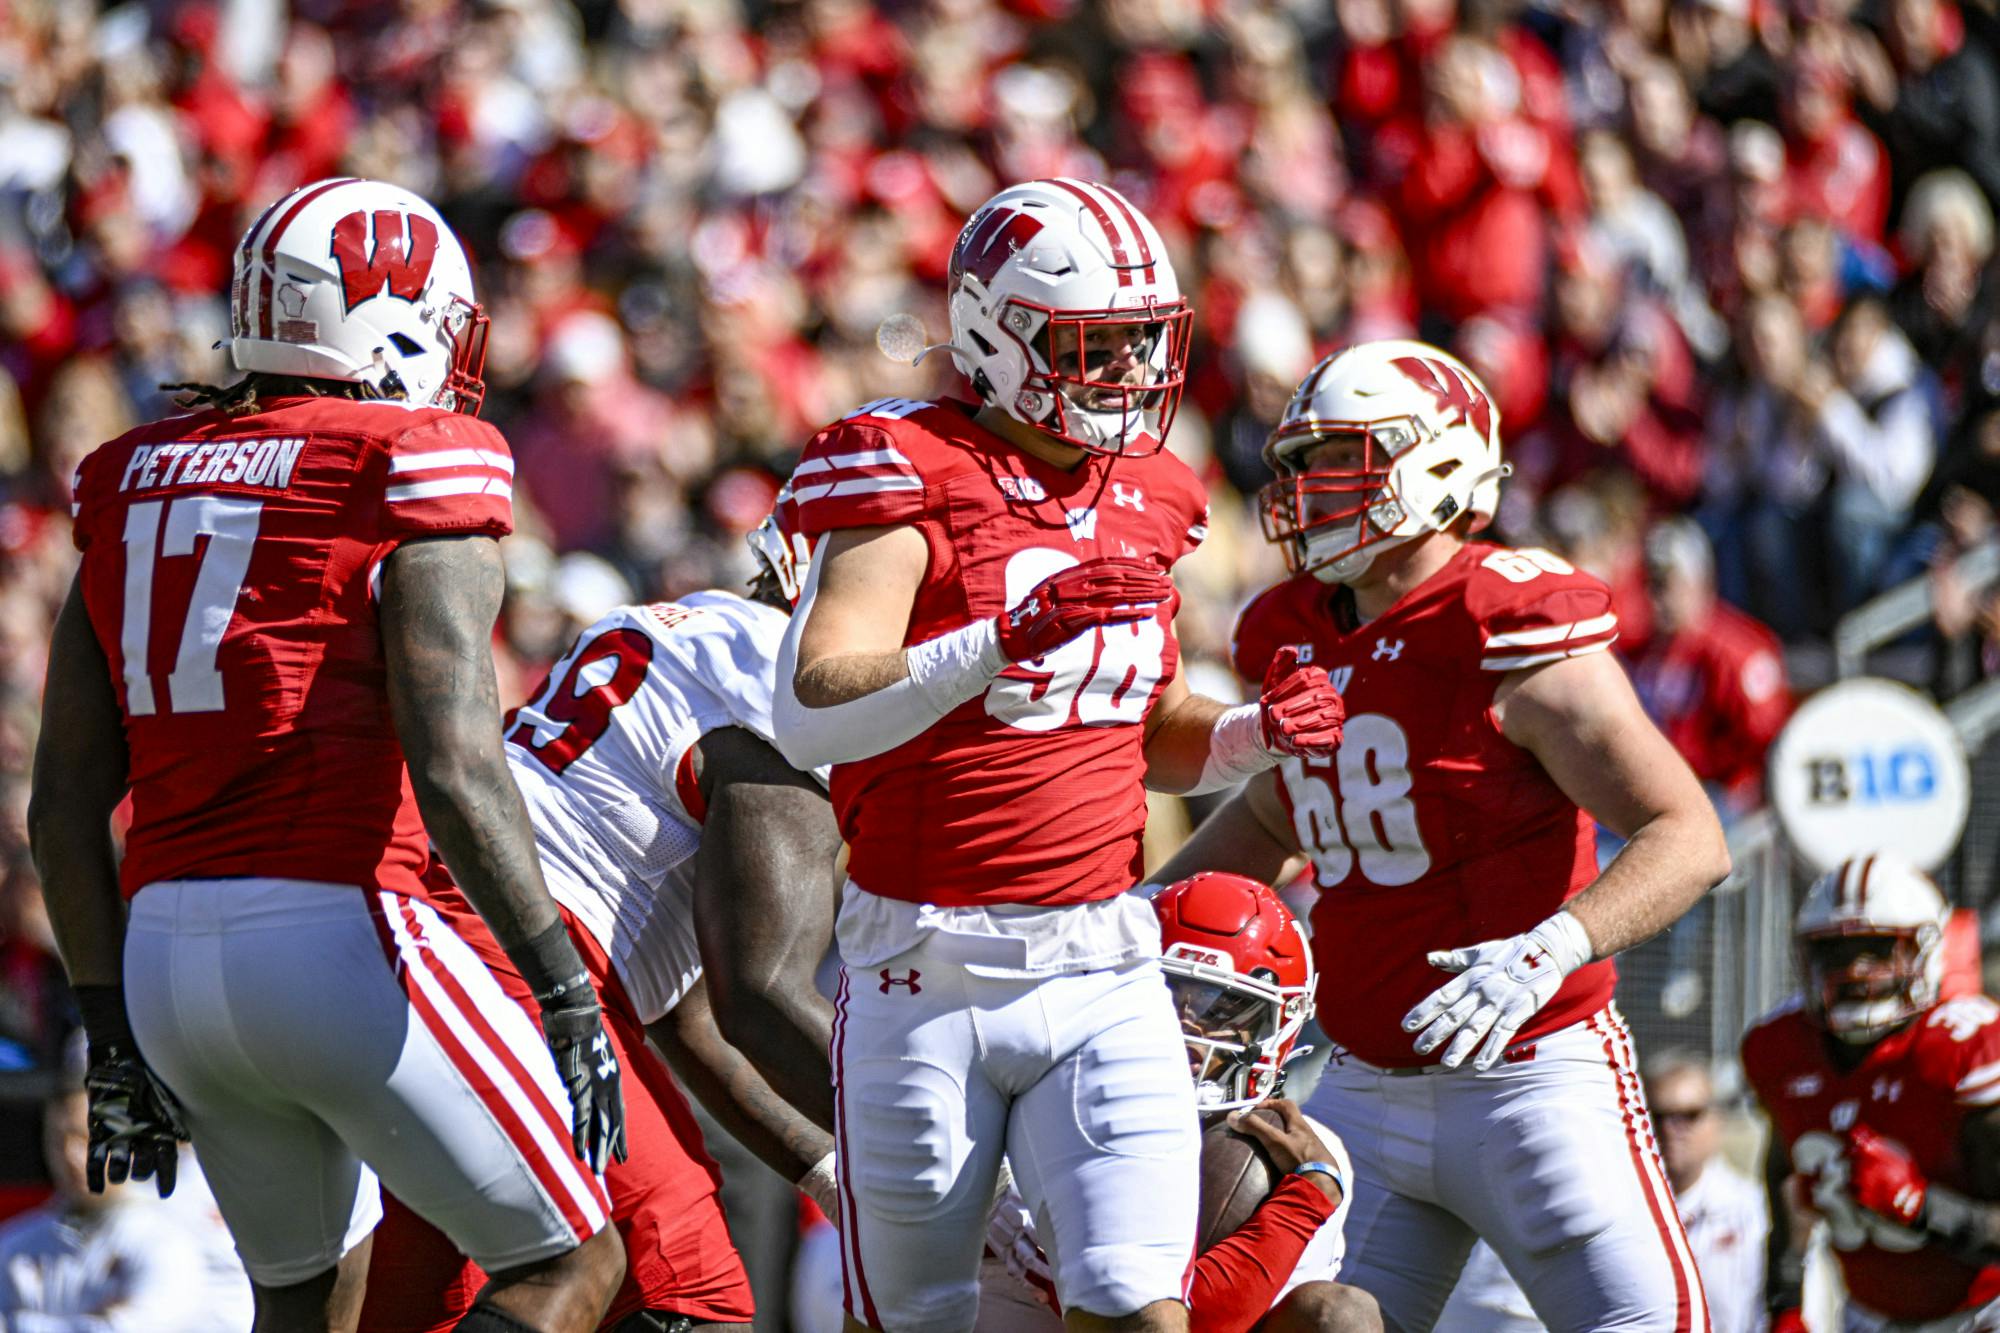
x: 1530, y: 638
x: 444, y: 458
x: 430, y: 490
x: 1515, y: 663
x: 1986, y: 1096
x: 1980, y: 1077
x: 864, y: 458
x: 856, y: 486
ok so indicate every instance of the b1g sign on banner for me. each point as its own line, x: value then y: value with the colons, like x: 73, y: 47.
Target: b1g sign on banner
x: 1869, y: 766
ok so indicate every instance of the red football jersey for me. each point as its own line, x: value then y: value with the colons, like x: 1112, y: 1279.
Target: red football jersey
x: 227, y: 568
x: 1032, y: 792
x: 1915, y: 1086
x: 1429, y: 829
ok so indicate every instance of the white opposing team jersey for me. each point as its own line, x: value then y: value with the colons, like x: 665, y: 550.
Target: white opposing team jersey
x: 602, y: 755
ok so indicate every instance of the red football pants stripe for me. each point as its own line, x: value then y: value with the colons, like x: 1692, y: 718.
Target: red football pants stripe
x: 1666, y: 1218
x: 490, y: 1094
x: 851, y: 1231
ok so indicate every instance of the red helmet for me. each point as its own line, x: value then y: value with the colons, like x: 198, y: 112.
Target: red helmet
x: 1242, y: 977
x: 781, y: 547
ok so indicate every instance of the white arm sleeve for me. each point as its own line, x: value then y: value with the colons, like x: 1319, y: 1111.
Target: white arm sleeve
x: 943, y: 673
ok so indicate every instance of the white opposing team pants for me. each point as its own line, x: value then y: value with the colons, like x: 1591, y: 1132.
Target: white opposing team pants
x: 1551, y: 1159
x: 318, y: 1035
x: 1080, y: 1079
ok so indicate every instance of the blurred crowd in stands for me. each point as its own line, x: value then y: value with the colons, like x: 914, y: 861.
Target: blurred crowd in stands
x: 1726, y: 266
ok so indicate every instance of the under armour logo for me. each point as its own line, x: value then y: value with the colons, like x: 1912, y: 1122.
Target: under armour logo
x: 907, y: 979
x: 607, y: 1063
x: 1887, y: 1090
x: 1082, y: 524
x: 1026, y: 611
x: 1387, y: 651
x: 1534, y: 960
x: 1134, y: 498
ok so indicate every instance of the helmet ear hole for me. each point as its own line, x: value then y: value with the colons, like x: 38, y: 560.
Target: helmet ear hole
x: 1445, y: 469
x: 979, y: 340
x: 405, y: 344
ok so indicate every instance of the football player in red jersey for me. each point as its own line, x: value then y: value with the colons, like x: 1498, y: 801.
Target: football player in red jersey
x: 1882, y: 1100
x: 1483, y: 1080
x: 279, y: 642
x: 984, y: 653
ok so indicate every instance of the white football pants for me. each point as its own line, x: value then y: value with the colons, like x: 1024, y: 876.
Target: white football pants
x: 1080, y: 1079
x: 319, y: 1034
x: 1550, y: 1158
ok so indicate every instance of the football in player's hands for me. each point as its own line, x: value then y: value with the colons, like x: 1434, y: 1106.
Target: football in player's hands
x: 1238, y: 1172
x: 1884, y: 1178
x: 1302, y: 712
x: 1105, y: 591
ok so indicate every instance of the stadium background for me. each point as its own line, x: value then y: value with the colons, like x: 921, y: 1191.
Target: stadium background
x: 1639, y: 219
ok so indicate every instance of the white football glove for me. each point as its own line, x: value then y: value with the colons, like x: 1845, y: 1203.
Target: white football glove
x: 1010, y: 1238
x: 1499, y: 986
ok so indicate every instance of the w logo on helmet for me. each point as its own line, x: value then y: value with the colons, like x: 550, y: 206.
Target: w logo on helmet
x: 986, y: 244
x: 1451, y: 389
x: 370, y: 249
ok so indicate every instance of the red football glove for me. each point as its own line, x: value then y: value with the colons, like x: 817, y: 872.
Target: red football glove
x: 1883, y: 1178
x: 1789, y: 1321
x: 1069, y: 602
x: 1302, y: 712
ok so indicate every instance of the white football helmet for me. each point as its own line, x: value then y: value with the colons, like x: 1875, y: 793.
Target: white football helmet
x: 351, y: 279
x: 1870, y: 938
x: 1034, y: 270
x: 1428, y: 437
x: 781, y: 547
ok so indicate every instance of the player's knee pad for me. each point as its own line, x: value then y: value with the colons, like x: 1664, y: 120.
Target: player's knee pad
x: 486, y: 1319
x: 907, y: 1123
x: 1125, y: 1095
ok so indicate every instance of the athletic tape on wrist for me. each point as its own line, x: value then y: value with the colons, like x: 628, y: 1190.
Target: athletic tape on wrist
x: 1236, y: 750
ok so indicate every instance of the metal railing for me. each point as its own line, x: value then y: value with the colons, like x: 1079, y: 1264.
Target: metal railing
x: 1889, y: 616
x: 1725, y: 964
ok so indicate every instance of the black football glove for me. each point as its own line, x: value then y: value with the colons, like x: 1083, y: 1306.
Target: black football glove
x: 135, y: 1128
x: 574, y: 1027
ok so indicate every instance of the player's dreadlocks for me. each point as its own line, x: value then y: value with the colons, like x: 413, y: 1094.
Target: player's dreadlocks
x: 241, y: 398
x: 765, y: 588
